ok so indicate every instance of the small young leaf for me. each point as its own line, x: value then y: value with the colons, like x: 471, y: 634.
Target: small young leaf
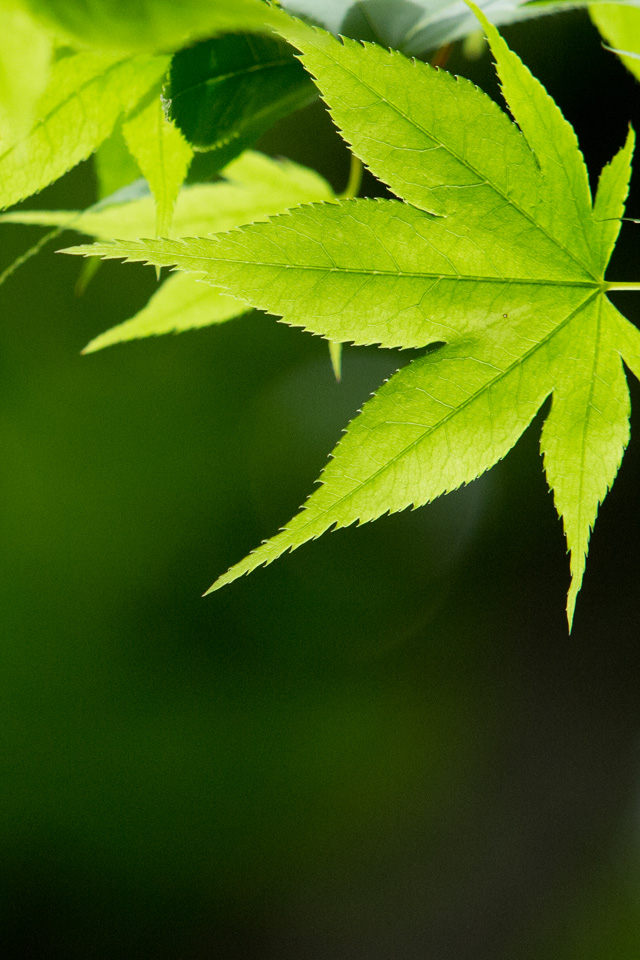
x: 509, y: 278
x: 85, y: 96
x: 181, y: 303
x: 224, y: 93
x: 162, y: 154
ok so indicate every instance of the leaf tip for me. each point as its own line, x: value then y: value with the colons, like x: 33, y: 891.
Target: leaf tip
x: 479, y: 14
x: 91, y: 347
x: 578, y: 564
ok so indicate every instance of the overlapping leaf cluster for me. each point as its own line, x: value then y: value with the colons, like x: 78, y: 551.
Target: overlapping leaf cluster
x: 494, y: 249
x: 253, y: 187
x: 497, y: 253
x: 73, y: 72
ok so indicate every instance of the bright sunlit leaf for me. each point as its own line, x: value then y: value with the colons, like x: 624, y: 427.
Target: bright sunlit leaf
x: 85, y: 96
x: 620, y: 26
x: 498, y: 255
x: 255, y: 187
x: 161, y: 153
x: 25, y: 59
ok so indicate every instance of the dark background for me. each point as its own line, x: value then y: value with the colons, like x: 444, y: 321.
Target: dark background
x: 384, y: 745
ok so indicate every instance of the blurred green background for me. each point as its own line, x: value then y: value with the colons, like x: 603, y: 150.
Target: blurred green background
x: 383, y: 746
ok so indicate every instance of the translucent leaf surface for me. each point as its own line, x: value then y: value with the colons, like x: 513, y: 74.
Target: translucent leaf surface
x: 161, y: 153
x: 371, y: 272
x: 396, y: 112
x: 85, y: 96
x: 586, y: 432
x: 181, y: 303
x: 609, y: 202
x: 508, y: 278
x: 256, y: 187
x: 115, y: 167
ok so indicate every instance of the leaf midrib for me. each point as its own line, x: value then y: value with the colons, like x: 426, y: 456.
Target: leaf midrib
x: 414, y: 275
x: 414, y: 443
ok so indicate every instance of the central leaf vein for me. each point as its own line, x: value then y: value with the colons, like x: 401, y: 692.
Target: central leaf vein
x: 443, y: 423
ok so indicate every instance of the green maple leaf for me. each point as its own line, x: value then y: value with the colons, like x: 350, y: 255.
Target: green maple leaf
x: 497, y: 254
x: 25, y: 60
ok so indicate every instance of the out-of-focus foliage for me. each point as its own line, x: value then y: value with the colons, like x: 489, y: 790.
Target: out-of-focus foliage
x: 417, y: 27
x: 148, y: 25
x: 254, y: 187
x: 25, y: 58
x: 162, y: 155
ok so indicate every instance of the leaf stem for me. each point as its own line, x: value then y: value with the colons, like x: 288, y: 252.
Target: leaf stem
x: 355, y: 179
x: 31, y: 252
x: 23, y: 258
x: 335, y: 353
x: 621, y: 286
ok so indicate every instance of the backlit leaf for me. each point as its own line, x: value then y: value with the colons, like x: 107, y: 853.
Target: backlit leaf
x: 115, y: 167
x: 161, y: 153
x: 181, y: 303
x: 498, y: 257
x: 85, y: 96
x: 255, y: 186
